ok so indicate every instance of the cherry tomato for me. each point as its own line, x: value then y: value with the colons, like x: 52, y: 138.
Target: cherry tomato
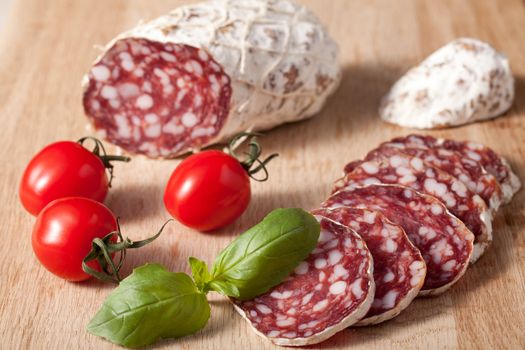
x: 66, y: 169
x: 63, y: 233
x: 208, y: 190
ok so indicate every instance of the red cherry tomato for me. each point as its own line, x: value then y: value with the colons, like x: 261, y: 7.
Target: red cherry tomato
x: 208, y: 190
x: 62, y: 169
x: 63, y: 234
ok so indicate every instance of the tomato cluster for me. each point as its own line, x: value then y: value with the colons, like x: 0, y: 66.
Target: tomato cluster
x: 64, y: 184
x: 76, y: 236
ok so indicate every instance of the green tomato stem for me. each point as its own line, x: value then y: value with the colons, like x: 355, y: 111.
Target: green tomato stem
x: 102, y: 248
x: 100, y: 151
x: 252, y: 155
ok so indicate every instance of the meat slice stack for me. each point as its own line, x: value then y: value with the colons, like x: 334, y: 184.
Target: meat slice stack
x: 414, y: 213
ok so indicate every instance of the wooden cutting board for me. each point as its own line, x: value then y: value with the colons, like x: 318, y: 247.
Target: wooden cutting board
x: 46, y: 47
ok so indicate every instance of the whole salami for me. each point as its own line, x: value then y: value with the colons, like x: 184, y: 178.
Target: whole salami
x: 444, y: 241
x: 399, y: 268
x: 463, y: 82
x: 207, y: 71
x: 411, y: 171
x: 329, y: 291
x: 471, y: 154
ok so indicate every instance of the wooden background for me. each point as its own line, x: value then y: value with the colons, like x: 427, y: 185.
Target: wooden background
x: 45, y: 48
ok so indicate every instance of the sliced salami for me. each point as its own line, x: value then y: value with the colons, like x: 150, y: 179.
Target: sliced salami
x: 399, y: 268
x: 329, y: 291
x: 444, y: 241
x: 411, y: 171
x: 472, y: 154
x: 207, y: 71
x: 491, y: 161
x: 473, y: 176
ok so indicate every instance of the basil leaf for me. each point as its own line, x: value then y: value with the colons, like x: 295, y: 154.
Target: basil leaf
x: 264, y: 255
x: 151, y: 303
x: 200, y: 273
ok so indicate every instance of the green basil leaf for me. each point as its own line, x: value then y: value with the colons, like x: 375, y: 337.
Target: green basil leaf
x: 151, y: 303
x: 200, y: 273
x: 264, y: 255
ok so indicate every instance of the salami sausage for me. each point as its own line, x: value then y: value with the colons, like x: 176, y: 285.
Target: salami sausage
x: 444, y: 241
x: 411, y: 171
x: 329, y: 291
x: 399, y: 268
x: 463, y: 82
x: 207, y: 71
x: 473, y: 176
x: 472, y: 154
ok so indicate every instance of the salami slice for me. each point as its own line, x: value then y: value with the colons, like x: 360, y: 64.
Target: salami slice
x: 411, y: 171
x: 472, y: 154
x: 399, y: 268
x: 329, y: 291
x: 207, y: 71
x: 444, y: 241
x: 491, y: 161
x: 473, y: 176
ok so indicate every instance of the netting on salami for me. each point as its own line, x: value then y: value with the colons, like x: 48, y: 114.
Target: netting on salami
x: 444, y: 241
x: 399, y: 268
x: 412, y: 171
x: 329, y: 291
x: 208, y: 71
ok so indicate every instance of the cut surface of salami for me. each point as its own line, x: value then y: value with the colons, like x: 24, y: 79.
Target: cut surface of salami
x: 444, y: 241
x: 472, y: 175
x: 472, y: 153
x: 155, y: 98
x: 412, y: 172
x: 329, y: 291
x: 399, y: 268
x: 207, y: 71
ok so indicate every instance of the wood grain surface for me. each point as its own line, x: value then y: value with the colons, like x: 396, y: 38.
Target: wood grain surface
x: 45, y: 48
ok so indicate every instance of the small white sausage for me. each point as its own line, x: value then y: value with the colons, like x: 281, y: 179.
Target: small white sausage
x: 463, y: 82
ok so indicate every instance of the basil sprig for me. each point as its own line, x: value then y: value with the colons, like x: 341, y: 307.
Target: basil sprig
x: 153, y: 303
x: 150, y: 304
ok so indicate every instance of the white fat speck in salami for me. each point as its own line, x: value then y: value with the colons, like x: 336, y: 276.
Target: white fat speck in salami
x: 229, y: 64
x: 398, y: 273
x: 440, y: 238
x: 460, y: 201
x: 100, y: 73
x: 108, y: 92
x: 320, y: 309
